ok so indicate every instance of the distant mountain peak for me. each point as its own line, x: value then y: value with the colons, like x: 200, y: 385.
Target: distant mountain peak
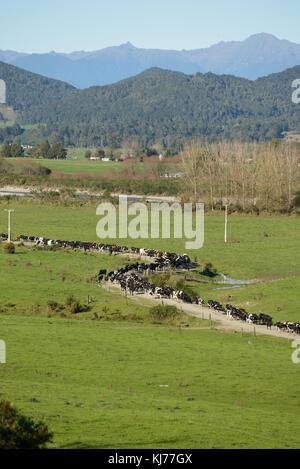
x: 257, y: 56
x: 128, y: 45
x: 262, y: 37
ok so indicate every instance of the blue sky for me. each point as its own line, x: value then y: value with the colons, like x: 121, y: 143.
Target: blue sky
x: 67, y: 25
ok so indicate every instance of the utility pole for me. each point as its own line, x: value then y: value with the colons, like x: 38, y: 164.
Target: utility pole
x: 9, y: 222
x: 226, y: 222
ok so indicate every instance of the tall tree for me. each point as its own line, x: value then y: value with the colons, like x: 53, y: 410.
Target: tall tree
x: 44, y: 149
x: 5, y: 151
x: 17, y: 151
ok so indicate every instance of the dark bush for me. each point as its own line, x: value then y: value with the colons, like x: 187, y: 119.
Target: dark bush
x: 208, y: 270
x: 20, y: 432
x: 296, y: 201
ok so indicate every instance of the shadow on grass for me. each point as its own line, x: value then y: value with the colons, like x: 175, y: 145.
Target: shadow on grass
x: 81, y: 445
x: 19, y: 253
x: 138, y: 444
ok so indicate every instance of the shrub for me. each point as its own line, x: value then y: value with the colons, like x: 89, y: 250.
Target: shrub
x: 74, y: 306
x: 296, y: 202
x: 20, y: 432
x: 53, y: 305
x: 208, y: 269
x: 160, y: 279
x: 163, y: 312
x: 70, y: 300
x: 180, y: 284
x: 9, y: 248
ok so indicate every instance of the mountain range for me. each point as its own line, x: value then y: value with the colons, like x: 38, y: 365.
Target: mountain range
x: 257, y: 56
x: 155, y: 105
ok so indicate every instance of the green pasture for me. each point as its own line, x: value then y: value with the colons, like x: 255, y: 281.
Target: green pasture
x: 263, y: 250
x: 110, y: 377
x: 79, y: 152
x: 107, y: 385
x: 250, y: 254
x: 69, y: 166
x: 32, y: 279
x: 277, y: 298
x: 4, y: 124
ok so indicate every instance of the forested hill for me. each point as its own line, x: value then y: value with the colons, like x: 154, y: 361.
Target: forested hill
x: 158, y: 105
x: 27, y: 92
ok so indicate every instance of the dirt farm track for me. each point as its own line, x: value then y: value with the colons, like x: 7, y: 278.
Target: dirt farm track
x: 204, y: 312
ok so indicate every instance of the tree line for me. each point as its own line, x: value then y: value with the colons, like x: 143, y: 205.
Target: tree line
x: 14, y: 150
x: 250, y: 176
x: 46, y: 150
x: 43, y: 150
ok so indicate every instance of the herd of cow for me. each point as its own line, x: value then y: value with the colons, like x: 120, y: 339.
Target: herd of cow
x: 130, y: 278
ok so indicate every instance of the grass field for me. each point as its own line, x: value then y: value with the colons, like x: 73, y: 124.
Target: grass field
x: 69, y: 166
x: 97, y: 380
x: 78, y: 153
x: 32, y: 278
x: 99, y: 385
x: 8, y: 123
x: 4, y: 124
x: 248, y: 255
x: 272, y: 261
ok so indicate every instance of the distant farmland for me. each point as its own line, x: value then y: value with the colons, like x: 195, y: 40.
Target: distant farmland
x: 75, y: 166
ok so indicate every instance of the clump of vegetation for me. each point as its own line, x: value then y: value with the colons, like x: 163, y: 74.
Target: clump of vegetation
x: 74, y: 306
x: 208, y: 270
x: 180, y: 284
x: 8, y: 248
x: 159, y: 279
x: 164, y: 312
x: 297, y: 200
x: 53, y: 306
x: 20, y: 432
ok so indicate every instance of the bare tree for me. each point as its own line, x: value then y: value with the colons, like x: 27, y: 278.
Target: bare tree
x: 249, y: 174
